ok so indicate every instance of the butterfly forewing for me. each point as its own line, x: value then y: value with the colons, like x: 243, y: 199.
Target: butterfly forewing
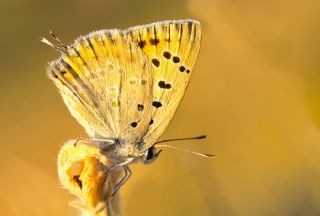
x: 172, y: 49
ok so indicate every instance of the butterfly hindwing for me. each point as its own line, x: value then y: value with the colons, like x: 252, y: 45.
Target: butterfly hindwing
x: 106, y: 83
x: 79, y: 103
x: 172, y: 49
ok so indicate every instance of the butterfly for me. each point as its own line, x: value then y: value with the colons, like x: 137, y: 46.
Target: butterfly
x: 124, y: 86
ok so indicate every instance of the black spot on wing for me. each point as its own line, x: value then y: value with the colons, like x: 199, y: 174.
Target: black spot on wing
x: 175, y: 59
x: 164, y: 85
x: 156, y: 62
x: 167, y: 54
x: 182, y: 68
x: 134, y: 124
x: 141, y: 44
x: 154, y: 41
x: 140, y: 107
x: 157, y: 104
x: 151, y: 122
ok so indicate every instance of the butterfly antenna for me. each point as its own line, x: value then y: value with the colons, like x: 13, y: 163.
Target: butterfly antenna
x: 179, y: 139
x: 185, y: 150
x: 62, y: 48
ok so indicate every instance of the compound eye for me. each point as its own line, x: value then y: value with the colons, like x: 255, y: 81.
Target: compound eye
x: 151, y: 155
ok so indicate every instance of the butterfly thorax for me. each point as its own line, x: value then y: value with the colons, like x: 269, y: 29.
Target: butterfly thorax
x: 121, y: 150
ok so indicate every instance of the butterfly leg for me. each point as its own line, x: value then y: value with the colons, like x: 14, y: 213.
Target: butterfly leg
x: 126, y: 177
x: 127, y: 170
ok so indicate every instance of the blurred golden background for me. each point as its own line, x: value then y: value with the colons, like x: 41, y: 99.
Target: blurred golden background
x: 255, y: 93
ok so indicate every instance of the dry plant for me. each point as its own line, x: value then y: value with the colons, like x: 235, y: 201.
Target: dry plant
x: 84, y: 172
